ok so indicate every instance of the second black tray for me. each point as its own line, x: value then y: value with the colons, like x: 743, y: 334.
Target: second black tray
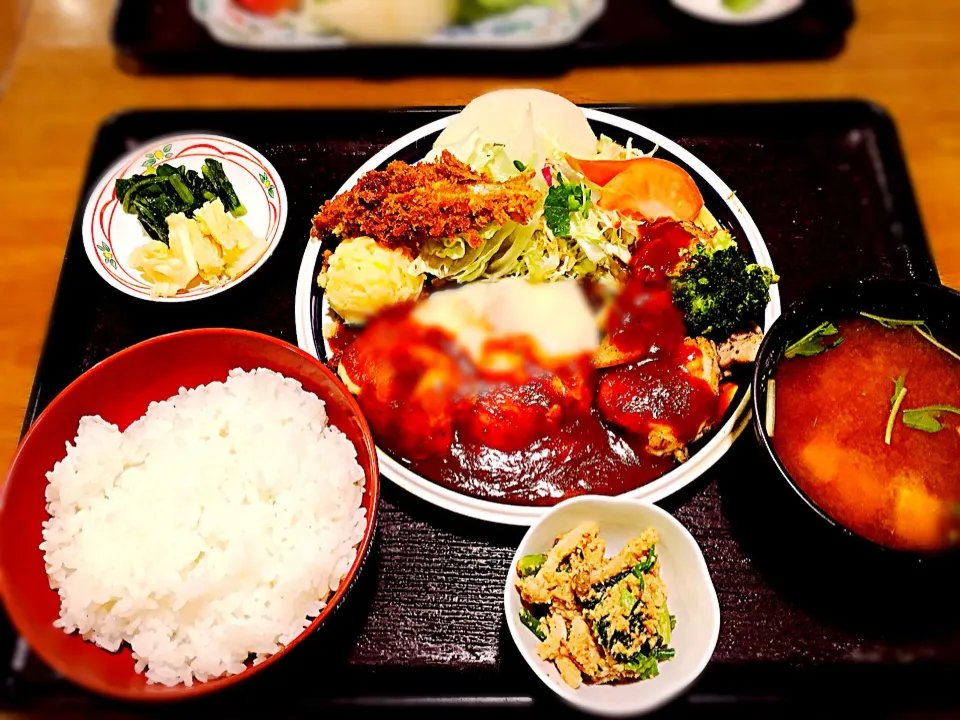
x: 162, y: 36
x: 827, y: 186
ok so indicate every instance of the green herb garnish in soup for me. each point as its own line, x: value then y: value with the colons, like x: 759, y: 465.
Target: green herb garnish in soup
x: 899, y: 392
x: 919, y: 325
x: 928, y: 418
x: 870, y: 431
x: 814, y: 342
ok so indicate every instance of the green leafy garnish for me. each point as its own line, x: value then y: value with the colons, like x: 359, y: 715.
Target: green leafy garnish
x: 645, y: 667
x: 927, y: 418
x: 898, y: 385
x: 563, y: 199
x: 532, y: 624
x: 673, y: 622
x: 919, y: 325
x: 813, y: 342
x: 899, y: 391
x: 627, y: 600
x: 519, y: 165
x: 530, y: 564
x: 665, y: 622
x: 647, y: 563
x: 893, y: 322
x: 928, y: 336
x: 740, y: 6
x: 169, y: 189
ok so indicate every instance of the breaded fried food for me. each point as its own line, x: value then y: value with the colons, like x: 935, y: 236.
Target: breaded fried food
x: 406, y: 205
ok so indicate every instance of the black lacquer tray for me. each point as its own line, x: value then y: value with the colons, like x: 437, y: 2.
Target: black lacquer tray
x: 803, y: 628
x: 162, y: 36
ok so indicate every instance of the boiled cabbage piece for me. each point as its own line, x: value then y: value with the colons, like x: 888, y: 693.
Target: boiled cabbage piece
x: 362, y: 278
x: 164, y: 271
x: 213, y: 245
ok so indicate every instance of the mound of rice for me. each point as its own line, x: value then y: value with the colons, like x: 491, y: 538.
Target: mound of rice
x: 211, y: 530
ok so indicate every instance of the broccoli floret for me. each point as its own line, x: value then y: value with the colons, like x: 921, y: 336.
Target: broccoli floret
x: 718, y: 291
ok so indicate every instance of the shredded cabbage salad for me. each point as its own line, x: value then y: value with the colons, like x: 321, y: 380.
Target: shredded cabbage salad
x: 568, y: 236
x: 595, y: 240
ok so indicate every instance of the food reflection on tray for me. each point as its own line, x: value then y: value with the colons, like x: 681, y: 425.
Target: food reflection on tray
x: 533, y: 312
x: 280, y: 24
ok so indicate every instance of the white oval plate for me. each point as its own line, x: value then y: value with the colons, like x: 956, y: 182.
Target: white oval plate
x: 526, y: 27
x: 110, y: 234
x: 691, y: 597
x: 490, y: 511
x: 715, y: 11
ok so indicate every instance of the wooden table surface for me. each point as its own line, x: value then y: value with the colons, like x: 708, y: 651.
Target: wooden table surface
x: 64, y: 82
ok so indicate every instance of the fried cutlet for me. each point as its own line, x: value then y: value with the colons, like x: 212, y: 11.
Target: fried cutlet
x: 406, y: 205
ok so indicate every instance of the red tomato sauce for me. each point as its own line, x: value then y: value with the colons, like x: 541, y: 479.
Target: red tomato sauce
x: 643, y: 318
x: 525, y: 431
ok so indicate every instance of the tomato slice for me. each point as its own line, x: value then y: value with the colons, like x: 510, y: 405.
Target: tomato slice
x: 600, y: 172
x: 267, y: 7
x: 652, y: 189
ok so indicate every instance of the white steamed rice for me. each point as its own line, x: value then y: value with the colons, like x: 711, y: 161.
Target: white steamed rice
x: 208, y: 531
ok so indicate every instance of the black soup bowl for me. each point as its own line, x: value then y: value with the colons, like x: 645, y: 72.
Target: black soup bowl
x: 939, y: 306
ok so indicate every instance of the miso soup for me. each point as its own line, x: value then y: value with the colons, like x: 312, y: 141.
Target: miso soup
x: 836, y: 399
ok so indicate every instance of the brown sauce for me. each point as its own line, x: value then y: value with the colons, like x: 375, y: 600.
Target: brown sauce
x: 583, y: 457
x: 658, y: 392
x: 531, y: 432
x: 832, y: 412
x: 341, y: 340
x: 524, y: 434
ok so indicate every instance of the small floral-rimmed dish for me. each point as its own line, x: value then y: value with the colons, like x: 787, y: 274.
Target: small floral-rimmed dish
x: 110, y: 235
x: 691, y: 597
x: 718, y: 11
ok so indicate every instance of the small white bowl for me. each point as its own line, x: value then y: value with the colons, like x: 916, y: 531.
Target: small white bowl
x: 691, y: 597
x: 715, y: 11
x: 110, y: 234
